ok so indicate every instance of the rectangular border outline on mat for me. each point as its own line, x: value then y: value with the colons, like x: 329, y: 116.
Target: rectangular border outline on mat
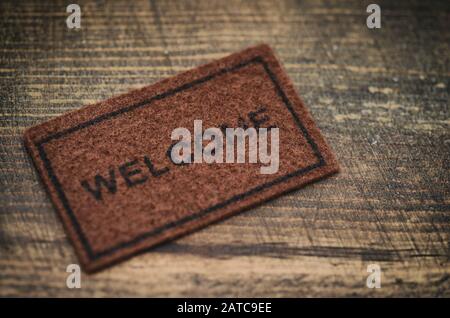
x: 76, y: 225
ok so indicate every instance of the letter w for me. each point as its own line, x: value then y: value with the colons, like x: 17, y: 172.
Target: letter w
x: 99, y: 182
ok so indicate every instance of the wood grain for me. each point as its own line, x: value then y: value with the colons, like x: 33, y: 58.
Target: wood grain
x: 381, y: 98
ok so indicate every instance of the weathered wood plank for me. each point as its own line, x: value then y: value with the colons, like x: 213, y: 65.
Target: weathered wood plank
x: 380, y: 97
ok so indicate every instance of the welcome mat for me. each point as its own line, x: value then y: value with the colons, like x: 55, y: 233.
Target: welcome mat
x: 122, y: 178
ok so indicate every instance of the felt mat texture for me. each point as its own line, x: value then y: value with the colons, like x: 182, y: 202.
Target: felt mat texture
x: 107, y: 170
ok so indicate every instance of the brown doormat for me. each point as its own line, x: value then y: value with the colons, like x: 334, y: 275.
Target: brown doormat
x: 108, y: 170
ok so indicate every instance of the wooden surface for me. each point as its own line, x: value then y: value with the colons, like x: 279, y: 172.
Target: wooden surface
x: 381, y: 98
